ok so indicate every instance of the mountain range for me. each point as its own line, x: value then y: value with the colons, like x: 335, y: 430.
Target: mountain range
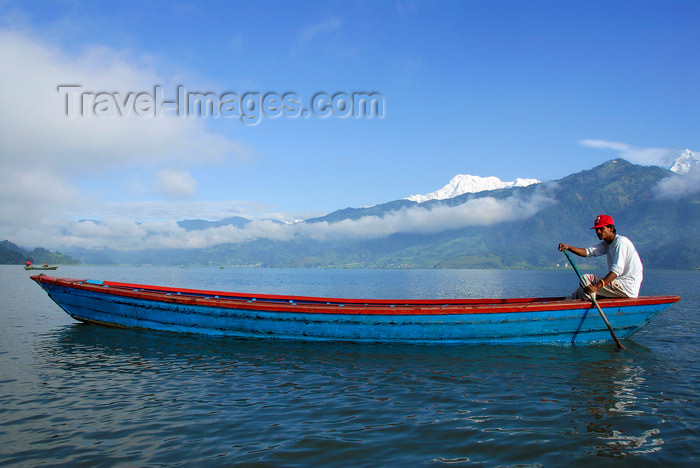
x: 536, y: 218
x: 465, y: 183
x: 510, y: 226
x: 665, y: 228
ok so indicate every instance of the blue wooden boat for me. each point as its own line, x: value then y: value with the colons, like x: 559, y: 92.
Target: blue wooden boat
x: 469, y: 321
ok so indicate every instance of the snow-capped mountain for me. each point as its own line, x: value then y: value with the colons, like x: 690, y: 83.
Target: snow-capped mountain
x: 684, y: 162
x: 465, y: 183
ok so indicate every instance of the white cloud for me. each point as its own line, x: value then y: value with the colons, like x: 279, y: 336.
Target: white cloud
x: 322, y: 28
x: 160, y: 210
x: 176, y: 184
x: 418, y: 219
x: 44, y: 153
x: 678, y: 185
x: 33, y: 122
x: 604, y: 144
x: 121, y: 233
x: 647, y: 156
x: 28, y: 201
x: 323, y: 36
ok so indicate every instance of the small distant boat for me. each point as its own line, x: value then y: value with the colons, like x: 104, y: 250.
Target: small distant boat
x: 466, y: 321
x: 32, y: 267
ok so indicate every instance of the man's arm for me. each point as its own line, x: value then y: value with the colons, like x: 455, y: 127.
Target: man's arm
x: 577, y: 250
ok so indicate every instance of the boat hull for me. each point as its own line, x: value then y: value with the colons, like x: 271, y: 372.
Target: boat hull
x: 40, y: 268
x: 544, y: 320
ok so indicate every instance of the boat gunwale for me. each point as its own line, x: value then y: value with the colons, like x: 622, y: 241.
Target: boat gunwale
x: 346, y: 306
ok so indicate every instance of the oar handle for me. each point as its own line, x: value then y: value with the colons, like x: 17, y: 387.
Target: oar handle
x: 578, y: 273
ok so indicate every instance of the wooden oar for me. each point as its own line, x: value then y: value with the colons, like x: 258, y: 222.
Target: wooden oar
x: 595, y: 303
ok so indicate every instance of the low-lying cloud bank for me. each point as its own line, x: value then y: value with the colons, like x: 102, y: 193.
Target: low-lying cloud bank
x: 123, y: 234
x: 678, y: 185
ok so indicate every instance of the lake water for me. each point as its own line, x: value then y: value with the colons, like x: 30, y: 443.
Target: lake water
x: 85, y: 395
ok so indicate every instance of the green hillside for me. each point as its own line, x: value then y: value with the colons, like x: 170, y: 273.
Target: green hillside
x: 11, y: 254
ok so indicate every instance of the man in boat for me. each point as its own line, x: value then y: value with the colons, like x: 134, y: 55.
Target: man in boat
x: 625, y: 271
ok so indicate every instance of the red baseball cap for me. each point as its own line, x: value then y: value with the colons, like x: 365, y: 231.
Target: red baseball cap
x: 602, y: 221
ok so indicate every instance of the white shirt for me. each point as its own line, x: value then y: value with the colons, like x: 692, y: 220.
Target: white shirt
x: 624, y: 261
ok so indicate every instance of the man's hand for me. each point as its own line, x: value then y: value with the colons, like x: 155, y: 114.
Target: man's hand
x: 575, y: 250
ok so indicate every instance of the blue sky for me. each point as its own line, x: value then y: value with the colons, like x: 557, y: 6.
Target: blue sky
x: 503, y: 88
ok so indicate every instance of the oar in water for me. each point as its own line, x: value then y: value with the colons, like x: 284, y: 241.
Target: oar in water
x: 595, y: 303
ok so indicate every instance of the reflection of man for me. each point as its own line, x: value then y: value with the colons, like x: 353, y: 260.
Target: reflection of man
x: 625, y: 268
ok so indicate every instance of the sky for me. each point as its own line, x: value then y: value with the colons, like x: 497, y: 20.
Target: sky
x: 98, y: 150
